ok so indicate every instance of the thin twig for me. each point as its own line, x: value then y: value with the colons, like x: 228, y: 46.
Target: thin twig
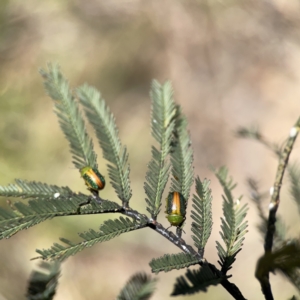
x: 231, y: 288
x: 274, y: 204
x: 275, y: 197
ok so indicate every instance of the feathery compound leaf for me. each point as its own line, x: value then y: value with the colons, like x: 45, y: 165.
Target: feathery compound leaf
x: 257, y: 197
x: 36, y: 211
x: 232, y: 225
x: 294, y: 174
x: 42, y: 285
x: 139, y: 287
x: 181, y: 157
x: 103, y: 122
x: 255, y: 134
x: 195, y: 281
x: 108, y: 230
x: 251, y: 132
x: 169, y: 262
x: 31, y: 189
x: 285, y: 259
x: 69, y: 117
x: 202, y: 214
x: 294, y: 277
x: 162, y: 120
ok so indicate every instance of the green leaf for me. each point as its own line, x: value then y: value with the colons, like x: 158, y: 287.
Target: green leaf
x: 23, y: 216
x: 181, y: 158
x: 108, y: 230
x: 195, y: 281
x: 255, y: 134
x: 294, y: 175
x: 232, y: 224
x: 104, y: 124
x: 162, y: 121
x: 32, y: 189
x: 69, y: 117
x: 257, y: 197
x: 286, y: 259
x: 293, y: 275
x: 250, y: 133
x: 42, y: 285
x: 139, y: 287
x: 202, y: 214
x: 169, y: 262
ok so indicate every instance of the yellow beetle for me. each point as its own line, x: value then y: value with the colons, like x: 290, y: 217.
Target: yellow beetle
x: 93, y: 179
x: 175, y: 208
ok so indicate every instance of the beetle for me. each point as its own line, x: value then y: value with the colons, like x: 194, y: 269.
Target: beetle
x: 175, y: 208
x: 93, y: 179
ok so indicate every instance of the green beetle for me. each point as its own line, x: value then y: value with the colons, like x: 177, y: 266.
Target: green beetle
x: 175, y: 208
x: 93, y: 179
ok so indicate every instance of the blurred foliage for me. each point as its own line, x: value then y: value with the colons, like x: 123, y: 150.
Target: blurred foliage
x: 231, y: 63
x: 43, y: 283
x: 139, y: 287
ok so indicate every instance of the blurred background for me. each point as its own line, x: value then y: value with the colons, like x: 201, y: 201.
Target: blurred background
x: 232, y: 63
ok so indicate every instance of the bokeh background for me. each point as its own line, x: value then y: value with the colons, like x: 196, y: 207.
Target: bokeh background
x: 232, y: 63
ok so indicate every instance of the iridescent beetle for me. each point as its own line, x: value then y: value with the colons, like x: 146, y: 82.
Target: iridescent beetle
x: 93, y: 179
x: 175, y: 208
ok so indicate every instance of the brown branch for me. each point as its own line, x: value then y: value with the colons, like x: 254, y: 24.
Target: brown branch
x: 274, y: 204
x: 275, y: 197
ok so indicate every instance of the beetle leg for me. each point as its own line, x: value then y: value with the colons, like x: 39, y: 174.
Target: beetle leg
x: 96, y: 197
x: 82, y: 204
x: 178, y: 232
